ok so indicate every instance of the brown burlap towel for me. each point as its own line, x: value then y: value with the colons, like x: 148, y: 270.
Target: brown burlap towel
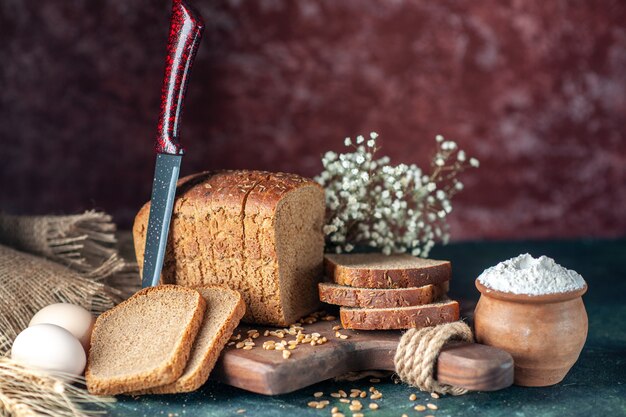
x: 28, y: 283
x: 84, y: 242
x: 83, y: 248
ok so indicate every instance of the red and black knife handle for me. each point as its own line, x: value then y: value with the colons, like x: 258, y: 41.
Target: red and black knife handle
x: 185, y: 32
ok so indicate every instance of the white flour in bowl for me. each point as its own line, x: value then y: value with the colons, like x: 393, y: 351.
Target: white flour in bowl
x: 533, y: 276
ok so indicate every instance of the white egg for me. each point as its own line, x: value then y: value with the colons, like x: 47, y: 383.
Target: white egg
x: 49, y: 347
x: 71, y: 317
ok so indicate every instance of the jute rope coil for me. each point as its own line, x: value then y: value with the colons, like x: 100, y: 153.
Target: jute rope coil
x: 417, y: 354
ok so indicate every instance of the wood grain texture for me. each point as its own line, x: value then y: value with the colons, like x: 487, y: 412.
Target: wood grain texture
x: 472, y: 366
x: 475, y: 367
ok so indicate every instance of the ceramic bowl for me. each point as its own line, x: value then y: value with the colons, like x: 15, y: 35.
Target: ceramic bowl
x: 544, y: 333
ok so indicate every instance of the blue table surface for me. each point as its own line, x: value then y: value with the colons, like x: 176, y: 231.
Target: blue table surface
x: 596, y: 385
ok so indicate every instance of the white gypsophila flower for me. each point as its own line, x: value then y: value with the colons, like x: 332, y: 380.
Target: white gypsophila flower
x: 328, y: 229
x: 391, y: 208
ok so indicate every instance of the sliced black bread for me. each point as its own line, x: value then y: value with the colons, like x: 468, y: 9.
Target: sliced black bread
x: 144, y: 341
x: 375, y: 270
x: 444, y: 311
x: 225, y: 308
x: 347, y: 296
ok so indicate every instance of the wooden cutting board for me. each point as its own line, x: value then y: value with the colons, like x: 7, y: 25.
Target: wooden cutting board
x: 472, y: 366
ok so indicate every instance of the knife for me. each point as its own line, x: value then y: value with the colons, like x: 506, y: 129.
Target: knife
x: 186, y: 28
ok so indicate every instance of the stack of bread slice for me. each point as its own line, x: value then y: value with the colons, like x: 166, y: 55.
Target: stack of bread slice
x: 380, y: 292
x: 164, y: 339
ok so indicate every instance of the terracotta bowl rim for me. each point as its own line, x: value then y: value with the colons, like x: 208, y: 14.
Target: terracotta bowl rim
x: 525, y: 298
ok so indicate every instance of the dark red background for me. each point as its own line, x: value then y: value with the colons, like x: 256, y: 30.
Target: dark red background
x: 535, y: 89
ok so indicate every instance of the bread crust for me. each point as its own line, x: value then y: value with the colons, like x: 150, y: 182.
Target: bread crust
x: 347, y: 296
x: 261, y: 248
x: 208, y: 243
x: 195, y: 381
x: 377, y: 277
x: 164, y: 373
x: 277, y: 184
x: 229, y: 188
x: 399, y: 318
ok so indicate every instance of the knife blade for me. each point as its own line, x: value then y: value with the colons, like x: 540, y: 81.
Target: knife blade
x: 186, y: 28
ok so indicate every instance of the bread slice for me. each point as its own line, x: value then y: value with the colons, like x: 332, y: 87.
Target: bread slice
x: 225, y: 308
x: 346, y: 296
x: 375, y: 270
x: 426, y: 315
x: 145, y: 341
x: 257, y: 232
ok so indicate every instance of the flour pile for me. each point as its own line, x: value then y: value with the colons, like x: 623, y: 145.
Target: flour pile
x: 533, y: 276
